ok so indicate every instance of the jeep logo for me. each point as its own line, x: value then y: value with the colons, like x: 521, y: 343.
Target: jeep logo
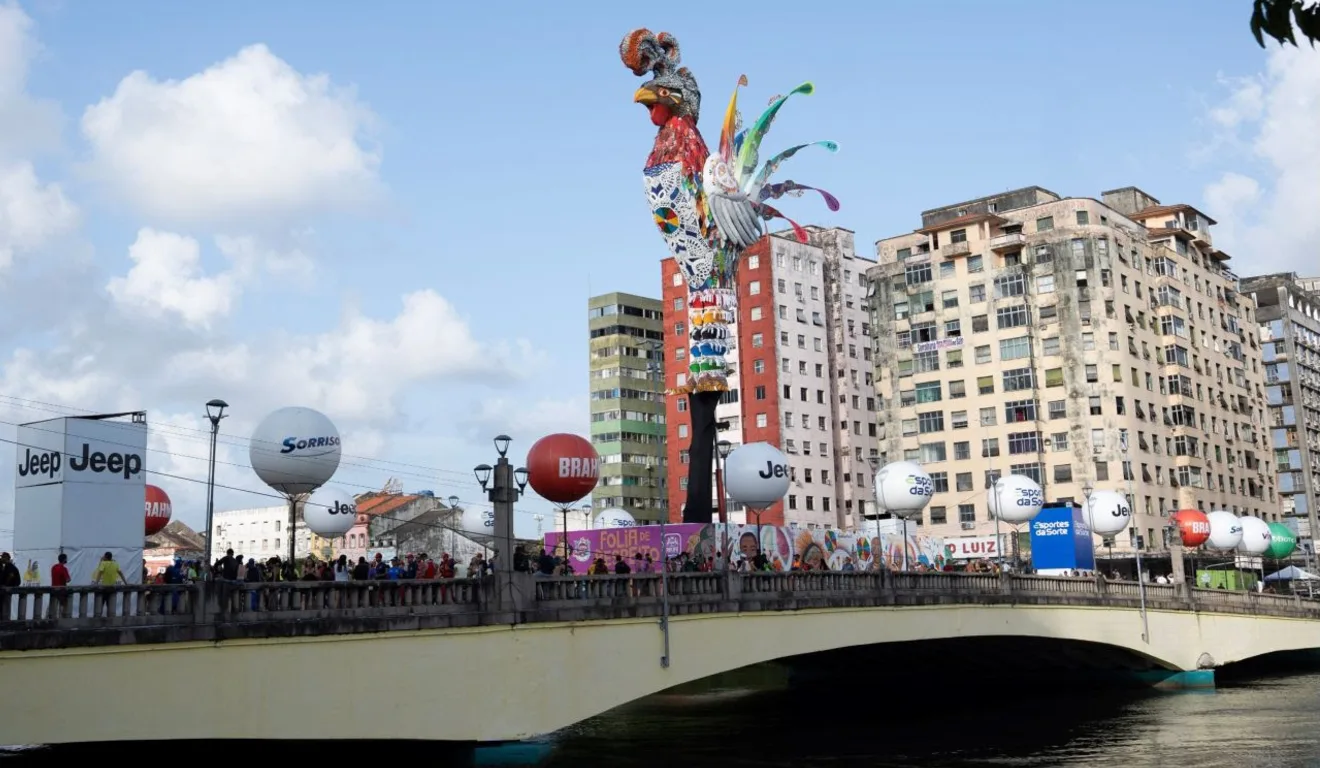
x: 773, y: 470
x: 47, y: 463
x: 340, y: 508
x: 43, y: 464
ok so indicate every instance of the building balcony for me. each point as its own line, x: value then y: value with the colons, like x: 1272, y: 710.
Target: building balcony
x: 1012, y: 241
x: 951, y: 250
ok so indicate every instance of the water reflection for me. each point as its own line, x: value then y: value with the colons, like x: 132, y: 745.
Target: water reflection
x: 1269, y: 722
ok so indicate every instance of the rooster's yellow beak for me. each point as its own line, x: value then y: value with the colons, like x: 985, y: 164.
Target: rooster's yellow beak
x: 645, y: 96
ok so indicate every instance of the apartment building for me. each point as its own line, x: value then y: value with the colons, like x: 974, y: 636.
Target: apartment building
x: 625, y: 336
x: 801, y: 377
x: 1081, y: 342
x: 1289, y: 325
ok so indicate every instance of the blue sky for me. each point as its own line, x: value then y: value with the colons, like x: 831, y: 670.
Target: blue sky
x: 491, y: 155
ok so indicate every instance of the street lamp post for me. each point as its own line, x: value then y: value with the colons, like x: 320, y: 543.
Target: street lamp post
x: 1138, y: 541
x: 722, y: 449
x: 215, y: 411
x: 503, y: 486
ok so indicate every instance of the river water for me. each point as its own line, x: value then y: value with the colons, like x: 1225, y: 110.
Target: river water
x: 1258, y: 722
x: 757, y: 718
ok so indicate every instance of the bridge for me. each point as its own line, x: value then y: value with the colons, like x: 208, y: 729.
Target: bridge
x: 512, y: 656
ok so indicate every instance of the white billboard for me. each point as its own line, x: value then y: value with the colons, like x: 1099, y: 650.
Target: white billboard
x: 971, y: 548
x: 79, y: 487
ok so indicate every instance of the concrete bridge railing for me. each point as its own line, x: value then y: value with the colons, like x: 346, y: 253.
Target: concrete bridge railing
x: 47, y: 617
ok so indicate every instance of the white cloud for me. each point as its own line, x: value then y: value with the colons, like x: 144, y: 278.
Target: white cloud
x: 31, y: 213
x: 29, y: 124
x: 526, y: 418
x: 1269, y: 215
x: 167, y: 278
x: 249, y: 138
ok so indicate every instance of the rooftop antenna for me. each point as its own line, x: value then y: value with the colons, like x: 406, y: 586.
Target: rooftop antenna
x: 393, y: 486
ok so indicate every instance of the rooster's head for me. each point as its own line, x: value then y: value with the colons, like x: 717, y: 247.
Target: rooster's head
x: 672, y: 91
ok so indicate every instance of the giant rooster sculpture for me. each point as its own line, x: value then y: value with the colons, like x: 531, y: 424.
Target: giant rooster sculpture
x: 709, y: 209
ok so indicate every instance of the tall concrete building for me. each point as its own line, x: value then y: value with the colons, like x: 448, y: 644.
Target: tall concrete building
x: 627, y: 403
x: 1289, y: 320
x: 1080, y: 342
x: 801, y: 377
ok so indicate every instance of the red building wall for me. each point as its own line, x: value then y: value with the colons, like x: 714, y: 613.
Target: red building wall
x: 675, y: 313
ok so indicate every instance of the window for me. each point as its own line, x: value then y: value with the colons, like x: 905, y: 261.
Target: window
x: 754, y: 288
x: 940, y: 481
x: 756, y: 313
x: 1045, y: 224
x: 1019, y: 410
x: 988, y: 418
x: 1058, y: 409
x: 1060, y: 440
x: 1054, y: 377
x: 957, y: 389
x: 916, y: 274
x: 1007, y: 286
x: 1014, y: 349
x: 1083, y: 218
x: 983, y: 354
x: 677, y: 279
x: 964, y: 482
x: 985, y: 385
x: 1050, y: 345
x: 931, y: 421
x: 758, y: 366
x: 946, y: 269
x: 1017, y: 379
x: 678, y: 304
x: 959, y: 419
x: 976, y: 293
x: 949, y: 299
x: 760, y: 420
x: 758, y: 340
x: 682, y: 431
x: 1023, y: 442
x: 1045, y: 284
x: 1012, y: 317
x: 760, y: 392
x: 974, y: 264
x: 958, y: 236
x: 980, y: 324
x: 937, y: 516
x: 929, y: 392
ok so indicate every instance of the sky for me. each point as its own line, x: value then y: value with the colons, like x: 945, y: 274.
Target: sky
x: 395, y: 212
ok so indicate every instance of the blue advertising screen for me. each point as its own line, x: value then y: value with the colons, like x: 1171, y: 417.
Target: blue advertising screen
x: 1061, y: 540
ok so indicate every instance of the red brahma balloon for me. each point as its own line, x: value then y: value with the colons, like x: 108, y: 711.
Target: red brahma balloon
x: 158, y: 510
x: 563, y: 468
x: 1193, y: 525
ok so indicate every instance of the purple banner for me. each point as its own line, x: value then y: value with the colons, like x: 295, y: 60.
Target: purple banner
x: 639, y: 541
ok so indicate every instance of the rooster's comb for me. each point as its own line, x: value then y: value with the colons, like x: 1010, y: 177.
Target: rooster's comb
x: 645, y: 51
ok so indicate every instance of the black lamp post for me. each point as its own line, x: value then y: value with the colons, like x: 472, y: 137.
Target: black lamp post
x: 215, y: 411
x: 503, y: 486
x: 722, y: 450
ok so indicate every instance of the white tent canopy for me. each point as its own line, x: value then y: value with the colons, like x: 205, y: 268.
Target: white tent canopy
x: 1292, y: 573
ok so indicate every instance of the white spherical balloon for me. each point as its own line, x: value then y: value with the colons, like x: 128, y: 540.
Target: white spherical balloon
x: 1108, y: 513
x: 613, y: 518
x: 1015, y: 499
x: 1225, y: 530
x: 1256, y: 535
x: 295, y: 450
x: 330, y: 512
x: 903, y: 488
x: 477, y: 521
x: 756, y: 474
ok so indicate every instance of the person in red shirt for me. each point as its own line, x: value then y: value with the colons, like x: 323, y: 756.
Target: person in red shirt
x: 59, y: 577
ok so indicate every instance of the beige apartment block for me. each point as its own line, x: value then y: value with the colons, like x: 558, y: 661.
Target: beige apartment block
x: 1080, y: 342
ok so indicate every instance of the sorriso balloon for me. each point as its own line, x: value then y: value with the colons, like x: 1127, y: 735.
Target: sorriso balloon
x: 613, y: 518
x: 1256, y: 536
x: 330, y: 512
x: 1282, y: 541
x: 295, y: 450
x: 1108, y: 513
x: 1193, y: 525
x: 1015, y: 499
x: 903, y: 488
x: 756, y: 475
x: 159, y: 510
x: 563, y: 468
x: 1225, y: 530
